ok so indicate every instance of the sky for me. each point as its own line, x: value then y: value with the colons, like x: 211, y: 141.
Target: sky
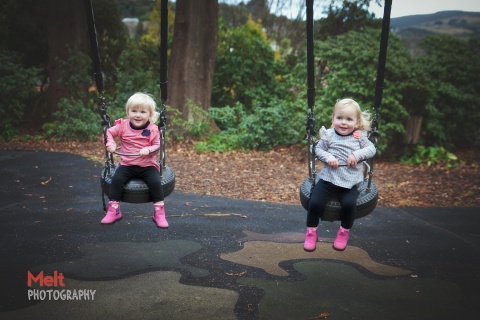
x: 402, y: 8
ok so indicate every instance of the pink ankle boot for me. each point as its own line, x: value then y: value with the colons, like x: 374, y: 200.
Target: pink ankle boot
x: 311, y: 238
x: 341, y: 240
x: 159, y: 217
x: 113, y: 213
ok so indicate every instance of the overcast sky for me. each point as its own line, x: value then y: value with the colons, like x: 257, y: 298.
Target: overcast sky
x: 402, y: 8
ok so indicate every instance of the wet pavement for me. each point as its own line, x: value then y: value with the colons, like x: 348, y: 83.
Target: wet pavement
x: 221, y: 258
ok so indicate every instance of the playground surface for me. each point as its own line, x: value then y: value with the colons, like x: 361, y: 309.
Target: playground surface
x: 221, y: 258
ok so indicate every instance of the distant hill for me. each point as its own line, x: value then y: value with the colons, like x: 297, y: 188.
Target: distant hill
x: 412, y: 29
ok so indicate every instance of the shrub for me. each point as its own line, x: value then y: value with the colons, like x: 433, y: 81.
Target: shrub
x: 430, y: 156
x: 18, y: 90
x: 74, y: 121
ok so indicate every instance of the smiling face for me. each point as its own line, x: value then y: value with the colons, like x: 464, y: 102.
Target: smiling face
x: 345, y: 119
x: 138, y: 116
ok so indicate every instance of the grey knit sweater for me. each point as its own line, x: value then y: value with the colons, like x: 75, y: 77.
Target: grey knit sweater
x: 333, y: 145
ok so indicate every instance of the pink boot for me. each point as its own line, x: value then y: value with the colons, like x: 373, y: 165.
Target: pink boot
x: 113, y: 213
x: 310, y: 240
x: 159, y: 217
x: 341, y: 240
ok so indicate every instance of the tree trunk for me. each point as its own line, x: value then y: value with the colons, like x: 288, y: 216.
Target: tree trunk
x: 66, y: 28
x: 193, y: 54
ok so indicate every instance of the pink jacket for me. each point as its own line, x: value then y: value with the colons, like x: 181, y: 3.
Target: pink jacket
x: 133, y: 140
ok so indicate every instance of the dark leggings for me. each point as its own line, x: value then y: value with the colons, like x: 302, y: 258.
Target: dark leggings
x: 322, y: 193
x: 150, y: 175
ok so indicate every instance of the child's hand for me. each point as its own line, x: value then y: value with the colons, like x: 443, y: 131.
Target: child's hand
x: 144, y: 152
x: 352, y: 161
x: 333, y: 163
x: 111, y: 149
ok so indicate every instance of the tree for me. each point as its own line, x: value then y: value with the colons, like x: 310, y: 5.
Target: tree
x: 351, y: 15
x: 66, y: 31
x: 245, y: 67
x: 193, y: 54
x: 350, y: 65
x: 454, y: 78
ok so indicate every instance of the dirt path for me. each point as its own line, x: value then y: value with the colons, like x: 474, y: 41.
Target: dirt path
x: 276, y: 175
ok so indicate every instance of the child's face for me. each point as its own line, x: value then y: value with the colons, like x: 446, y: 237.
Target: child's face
x: 138, y: 116
x: 345, y: 120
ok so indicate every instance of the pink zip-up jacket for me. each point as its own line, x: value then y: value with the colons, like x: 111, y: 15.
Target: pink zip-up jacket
x: 133, y: 140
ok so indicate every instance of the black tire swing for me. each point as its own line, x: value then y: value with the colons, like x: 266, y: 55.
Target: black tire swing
x: 136, y: 190
x: 368, y: 196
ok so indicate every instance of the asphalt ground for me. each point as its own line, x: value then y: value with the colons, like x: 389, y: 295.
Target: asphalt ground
x: 221, y: 258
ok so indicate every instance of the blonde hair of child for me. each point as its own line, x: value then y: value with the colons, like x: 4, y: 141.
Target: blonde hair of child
x: 143, y: 101
x: 364, y: 117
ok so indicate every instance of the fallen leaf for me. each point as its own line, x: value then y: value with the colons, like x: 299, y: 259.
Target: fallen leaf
x: 323, y: 315
x: 44, y: 183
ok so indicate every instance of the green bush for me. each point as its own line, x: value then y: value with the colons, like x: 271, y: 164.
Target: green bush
x: 74, y: 121
x: 430, y: 156
x: 17, y: 85
x: 280, y: 123
x: 197, y: 127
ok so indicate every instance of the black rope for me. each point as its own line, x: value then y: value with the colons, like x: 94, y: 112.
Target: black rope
x: 382, y: 59
x: 97, y: 68
x: 310, y: 93
x: 163, y: 80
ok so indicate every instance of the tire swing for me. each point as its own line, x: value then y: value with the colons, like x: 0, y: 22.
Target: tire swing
x: 368, y: 192
x: 136, y: 190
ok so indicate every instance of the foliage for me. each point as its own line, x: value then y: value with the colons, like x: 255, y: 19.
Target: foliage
x: 198, y: 126
x: 112, y: 34
x: 349, y: 16
x: 138, y: 71
x: 22, y: 30
x: 135, y: 8
x: 18, y: 89
x: 350, y: 69
x: 76, y: 117
x: 245, y: 68
x: 153, y: 34
x: 74, y: 121
x: 75, y: 72
x: 453, y: 71
x: 429, y: 156
x: 280, y: 123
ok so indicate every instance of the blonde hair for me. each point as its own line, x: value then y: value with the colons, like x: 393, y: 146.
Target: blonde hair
x: 364, y: 117
x: 144, y: 101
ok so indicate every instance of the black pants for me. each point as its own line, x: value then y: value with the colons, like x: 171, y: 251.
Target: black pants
x: 322, y: 193
x: 123, y: 174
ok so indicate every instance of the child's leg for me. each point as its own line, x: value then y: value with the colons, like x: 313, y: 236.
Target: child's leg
x: 152, y: 178
x: 320, y: 196
x: 119, y: 179
x: 348, y: 201
x: 159, y: 215
x: 154, y: 183
x: 113, y: 213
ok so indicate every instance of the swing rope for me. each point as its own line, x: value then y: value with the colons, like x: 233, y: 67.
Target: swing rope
x: 382, y: 58
x: 98, y: 75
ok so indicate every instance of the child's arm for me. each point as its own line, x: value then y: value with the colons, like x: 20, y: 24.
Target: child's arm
x: 111, y: 133
x: 321, y: 150
x: 154, y: 144
x: 367, y: 151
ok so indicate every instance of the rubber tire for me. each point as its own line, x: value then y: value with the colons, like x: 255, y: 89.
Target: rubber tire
x: 136, y: 191
x: 366, y: 202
